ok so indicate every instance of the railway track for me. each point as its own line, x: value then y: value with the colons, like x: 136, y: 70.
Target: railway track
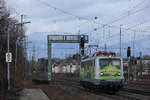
x: 142, y: 92
x: 124, y: 94
x: 146, y: 93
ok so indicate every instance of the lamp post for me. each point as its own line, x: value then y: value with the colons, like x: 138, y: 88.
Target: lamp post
x: 121, y: 40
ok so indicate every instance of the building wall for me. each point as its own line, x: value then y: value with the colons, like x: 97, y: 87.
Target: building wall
x: 65, y: 69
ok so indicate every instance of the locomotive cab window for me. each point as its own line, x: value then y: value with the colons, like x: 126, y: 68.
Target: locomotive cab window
x: 106, y: 62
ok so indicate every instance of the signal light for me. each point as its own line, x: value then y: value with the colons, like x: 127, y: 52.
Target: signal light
x: 101, y: 73
x: 119, y: 74
x: 110, y: 56
x: 82, y: 42
x: 129, y: 52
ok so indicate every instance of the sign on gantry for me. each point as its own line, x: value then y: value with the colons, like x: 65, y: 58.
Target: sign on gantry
x: 62, y: 39
x: 66, y: 38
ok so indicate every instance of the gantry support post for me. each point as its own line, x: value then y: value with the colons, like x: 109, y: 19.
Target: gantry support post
x: 49, y: 59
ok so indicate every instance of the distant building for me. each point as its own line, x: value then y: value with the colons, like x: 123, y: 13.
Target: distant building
x: 138, y: 67
x: 144, y: 65
x: 65, y: 68
x: 68, y: 65
x: 43, y: 64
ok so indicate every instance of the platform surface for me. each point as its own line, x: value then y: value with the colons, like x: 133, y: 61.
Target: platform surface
x: 33, y: 94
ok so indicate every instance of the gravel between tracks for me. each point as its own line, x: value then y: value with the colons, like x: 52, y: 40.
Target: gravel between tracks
x: 122, y: 95
x: 62, y: 89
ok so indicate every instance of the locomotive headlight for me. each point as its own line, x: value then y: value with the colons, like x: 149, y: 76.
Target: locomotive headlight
x: 110, y: 56
x: 101, y: 73
x: 119, y: 74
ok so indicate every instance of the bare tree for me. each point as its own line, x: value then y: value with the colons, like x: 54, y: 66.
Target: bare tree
x: 15, y: 32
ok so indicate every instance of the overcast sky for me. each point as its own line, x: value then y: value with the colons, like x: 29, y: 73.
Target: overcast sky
x: 85, y: 15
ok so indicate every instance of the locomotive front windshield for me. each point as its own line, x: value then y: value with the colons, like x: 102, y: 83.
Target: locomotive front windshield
x: 110, y: 68
x: 105, y: 62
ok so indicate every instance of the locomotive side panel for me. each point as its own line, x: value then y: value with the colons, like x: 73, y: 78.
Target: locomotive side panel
x: 87, y: 70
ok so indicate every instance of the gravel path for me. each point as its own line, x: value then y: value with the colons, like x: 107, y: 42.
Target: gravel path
x: 33, y: 94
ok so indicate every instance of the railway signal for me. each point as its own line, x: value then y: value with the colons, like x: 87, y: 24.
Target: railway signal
x: 129, y: 52
x: 129, y: 62
x: 82, y: 41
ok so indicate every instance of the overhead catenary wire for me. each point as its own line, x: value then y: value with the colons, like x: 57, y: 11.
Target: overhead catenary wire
x: 55, y: 32
x: 137, y: 5
x: 125, y: 48
x: 110, y: 10
x: 87, y: 19
x: 133, y: 27
x: 145, y: 21
x: 128, y: 11
x: 138, y: 40
x: 68, y: 13
x: 63, y: 11
x: 83, y: 18
x: 130, y: 28
x: 121, y: 18
x: 129, y: 14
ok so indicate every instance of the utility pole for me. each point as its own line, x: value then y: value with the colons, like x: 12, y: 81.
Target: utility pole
x: 8, y: 50
x: 141, y: 67
x: 134, y: 45
x: 79, y: 26
x: 120, y: 40
x: 49, y: 60
x: 129, y: 61
x: 17, y: 41
x: 33, y: 60
x: 16, y: 56
x: 134, y: 56
x: 104, y: 34
x: 105, y: 47
x: 22, y: 23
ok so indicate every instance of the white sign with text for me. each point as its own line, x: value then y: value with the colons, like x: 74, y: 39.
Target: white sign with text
x: 8, y: 57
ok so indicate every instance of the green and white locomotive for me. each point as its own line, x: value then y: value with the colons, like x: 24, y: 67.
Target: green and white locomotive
x: 103, y: 71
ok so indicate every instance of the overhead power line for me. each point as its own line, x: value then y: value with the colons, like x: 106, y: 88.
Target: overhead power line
x: 130, y: 28
x: 129, y: 14
x: 139, y: 4
x: 132, y: 13
x: 54, y: 32
x: 146, y: 21
x: 68, y: 13
x: 61, y: 10
x: 110, y: 10
x: 83, y: 18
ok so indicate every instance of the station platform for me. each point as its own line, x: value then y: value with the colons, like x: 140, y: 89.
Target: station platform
x: 33, y: 94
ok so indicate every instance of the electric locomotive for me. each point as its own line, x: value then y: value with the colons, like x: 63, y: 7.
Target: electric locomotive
x: 102, y: 71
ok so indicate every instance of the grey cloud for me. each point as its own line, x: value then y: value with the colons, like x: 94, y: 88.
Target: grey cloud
x: 44, y: 18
